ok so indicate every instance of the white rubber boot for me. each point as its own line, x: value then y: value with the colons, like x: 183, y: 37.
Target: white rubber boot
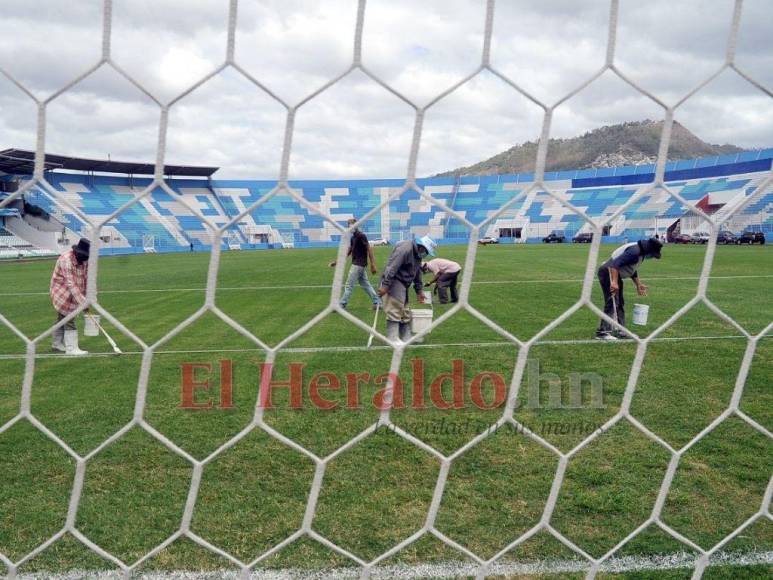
x: 58, y: 342
x: 71, y: 343
x: 393, y: 331
x: 405, y: 331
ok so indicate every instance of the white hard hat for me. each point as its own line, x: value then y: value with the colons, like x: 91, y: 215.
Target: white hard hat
x: 429, y: 244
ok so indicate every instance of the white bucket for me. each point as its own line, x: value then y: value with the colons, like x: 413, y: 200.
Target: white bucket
x: 640, y: 313
x: 420, y: 320
x: 92, y: 322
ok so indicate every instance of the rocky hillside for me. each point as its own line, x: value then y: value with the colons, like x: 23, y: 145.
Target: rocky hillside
x: 633, y: 143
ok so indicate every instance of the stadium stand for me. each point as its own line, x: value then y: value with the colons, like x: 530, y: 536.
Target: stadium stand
x: 714, y: 184
x: 12, y: 246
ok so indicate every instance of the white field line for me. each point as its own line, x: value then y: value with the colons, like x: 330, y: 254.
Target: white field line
x: 322, y: 286
x: 448, y: 569
x: 385, y: 347
x: 646, y: 277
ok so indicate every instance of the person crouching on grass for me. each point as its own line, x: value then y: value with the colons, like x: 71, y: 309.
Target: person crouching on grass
x: 624, y: 263
x: 68, y: 292
x: 403, y: 268
x: 446, y: 273
x: 361, y: 253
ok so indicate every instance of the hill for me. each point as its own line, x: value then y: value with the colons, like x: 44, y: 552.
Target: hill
x: 633, y: 143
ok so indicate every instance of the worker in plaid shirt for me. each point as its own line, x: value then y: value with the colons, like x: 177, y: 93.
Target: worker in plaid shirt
x: 68, y: 292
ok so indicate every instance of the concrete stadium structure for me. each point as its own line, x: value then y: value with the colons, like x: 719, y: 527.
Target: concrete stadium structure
x: 38, y: 222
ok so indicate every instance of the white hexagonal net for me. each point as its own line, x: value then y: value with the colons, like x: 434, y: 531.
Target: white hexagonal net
x: 366, y: 568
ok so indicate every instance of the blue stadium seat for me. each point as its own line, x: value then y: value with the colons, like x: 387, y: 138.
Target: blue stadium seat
x: 174, y: 225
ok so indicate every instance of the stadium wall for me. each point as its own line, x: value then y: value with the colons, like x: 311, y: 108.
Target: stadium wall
x: 282, y: 221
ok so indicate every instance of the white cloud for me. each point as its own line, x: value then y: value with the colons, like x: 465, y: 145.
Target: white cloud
x: 356, y: 128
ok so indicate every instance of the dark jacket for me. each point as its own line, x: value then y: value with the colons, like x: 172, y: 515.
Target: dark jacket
x: 627, y: 258
x: 402, y: 268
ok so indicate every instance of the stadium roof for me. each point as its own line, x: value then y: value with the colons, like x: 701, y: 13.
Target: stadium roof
x: 19, y: 161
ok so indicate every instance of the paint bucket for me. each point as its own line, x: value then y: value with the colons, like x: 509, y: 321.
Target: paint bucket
x: 92, y: 325
x: 420, y: 320
x: 640, y: 314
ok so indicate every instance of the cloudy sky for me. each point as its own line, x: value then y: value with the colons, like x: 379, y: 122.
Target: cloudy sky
x: 357, y: 129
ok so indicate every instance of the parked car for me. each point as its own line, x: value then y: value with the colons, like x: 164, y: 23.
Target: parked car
x: 699, y: 238
x: 682, y: 239
x: 380, y: 242
x: 583, y: 238
x: 751, y: 238
x: 556, y: 237
x: 726, y: 237
x: 488, y: 240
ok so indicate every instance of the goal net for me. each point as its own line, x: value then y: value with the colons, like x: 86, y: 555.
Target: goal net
x: 447, y: 464
x: 149, y: 243
x: 288, y: 239
x: 234, y: 241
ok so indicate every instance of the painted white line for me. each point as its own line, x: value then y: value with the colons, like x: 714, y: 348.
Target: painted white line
x: 309, y: 349
x: 323, y: 286
x: 447, y: 569
x: 387, y: 347
x: 62, y: 356
x: 579, y: 280
x: 658, y: 339
x: 202, y: 289
x: 284, y: 350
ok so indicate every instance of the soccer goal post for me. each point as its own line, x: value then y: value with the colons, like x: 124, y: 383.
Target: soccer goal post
x: 149, y: 243
x: 234, y: 240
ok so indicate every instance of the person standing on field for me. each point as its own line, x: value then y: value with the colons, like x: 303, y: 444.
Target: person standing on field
x: 624, y: 263
x: 446, y: 273
x: 403, y: 269
x: 361, y: 253
x: 68, y: 292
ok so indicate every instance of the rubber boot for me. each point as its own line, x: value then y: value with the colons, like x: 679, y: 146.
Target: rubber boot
x: 58, y: 341
x: 71, y: 343
x: 393, y: 330
x: 405, y: 331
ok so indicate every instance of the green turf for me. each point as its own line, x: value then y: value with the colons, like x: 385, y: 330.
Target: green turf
x: 377, y: 493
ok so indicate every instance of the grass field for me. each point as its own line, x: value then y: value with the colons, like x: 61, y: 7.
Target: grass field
x: 377, y: 493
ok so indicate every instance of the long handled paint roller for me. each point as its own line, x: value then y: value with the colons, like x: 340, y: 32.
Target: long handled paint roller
x: 107, y: 336
x: 375, y: 321
x: 614, y: 307
x: 617, y: 316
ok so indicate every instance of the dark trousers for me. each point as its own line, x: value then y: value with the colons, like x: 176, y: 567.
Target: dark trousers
x: 609, y: 302
x: 445, y: 283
